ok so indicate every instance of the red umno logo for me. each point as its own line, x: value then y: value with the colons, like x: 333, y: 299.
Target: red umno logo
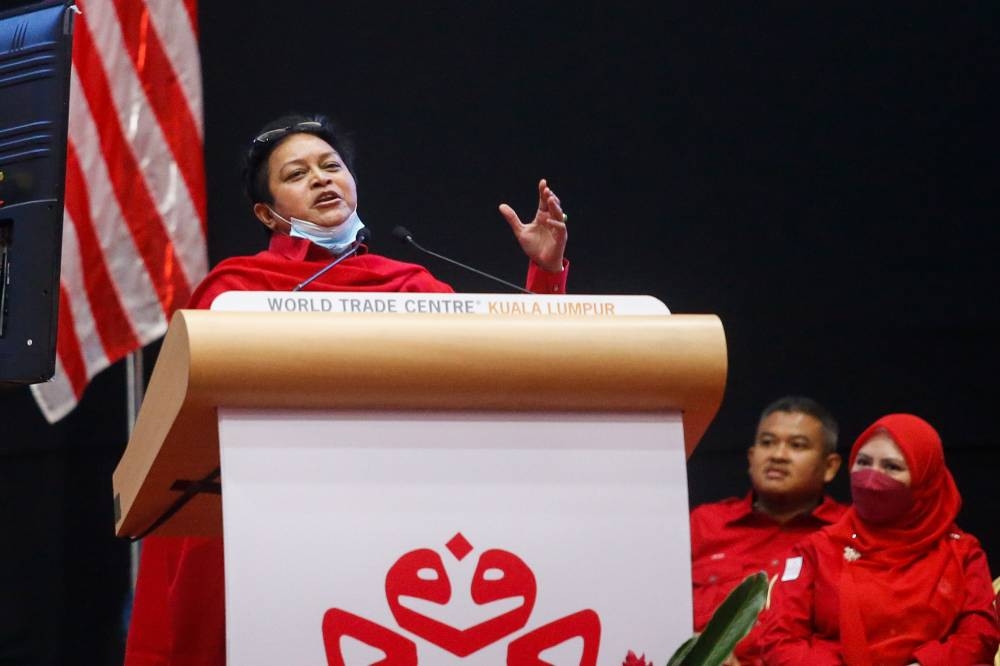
x: 499, y: 575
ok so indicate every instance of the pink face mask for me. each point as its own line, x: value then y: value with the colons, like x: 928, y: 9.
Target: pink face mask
x: 879, y: 498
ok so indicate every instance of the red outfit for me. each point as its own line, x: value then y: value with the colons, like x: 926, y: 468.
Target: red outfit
x: 178, y: 618
x: 289, y: 261
x: 730, y: 541
x: 916, y: 590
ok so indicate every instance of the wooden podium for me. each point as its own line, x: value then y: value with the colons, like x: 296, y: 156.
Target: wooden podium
x: 449, y: 488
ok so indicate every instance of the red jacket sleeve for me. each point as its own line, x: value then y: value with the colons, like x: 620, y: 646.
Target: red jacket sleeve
x: 702, y: 599
x: 789, y: 637
x: 713, y: 577
x: 974, y: 636
x: 542, y: 282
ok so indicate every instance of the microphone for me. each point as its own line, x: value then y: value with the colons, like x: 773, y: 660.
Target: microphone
x: 404, y: 236
x: 362, y: 237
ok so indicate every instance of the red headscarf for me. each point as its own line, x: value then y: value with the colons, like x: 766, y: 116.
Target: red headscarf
x: 904, y: 588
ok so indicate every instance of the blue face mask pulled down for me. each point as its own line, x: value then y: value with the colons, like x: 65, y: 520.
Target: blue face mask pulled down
x: 335, y: 239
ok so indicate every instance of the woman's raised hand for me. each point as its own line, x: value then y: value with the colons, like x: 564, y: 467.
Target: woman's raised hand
x: 544, y: 238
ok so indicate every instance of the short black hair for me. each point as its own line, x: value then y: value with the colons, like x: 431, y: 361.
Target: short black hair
x: 255, y: 169
x: 798, y: 404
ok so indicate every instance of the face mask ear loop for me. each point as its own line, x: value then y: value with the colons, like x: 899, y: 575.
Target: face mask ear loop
x: 275, y: 213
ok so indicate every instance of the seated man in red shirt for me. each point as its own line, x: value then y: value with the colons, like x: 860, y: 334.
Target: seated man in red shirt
x: 793, y: 457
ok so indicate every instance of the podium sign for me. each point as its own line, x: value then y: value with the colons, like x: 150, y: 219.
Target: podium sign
x: 504, y: 305
x: 369, y: 515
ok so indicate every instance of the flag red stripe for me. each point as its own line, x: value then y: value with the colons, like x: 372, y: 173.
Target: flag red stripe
x: 165, y: 95
x: 155, y: 247
x: 113, y: 324
x: 192, y: 9
x: 68, y: 347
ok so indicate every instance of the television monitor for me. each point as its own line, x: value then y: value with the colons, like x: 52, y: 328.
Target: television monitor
x: 35, y: 60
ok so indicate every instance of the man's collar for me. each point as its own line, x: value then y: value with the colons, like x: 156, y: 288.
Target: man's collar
x: 827, y: 512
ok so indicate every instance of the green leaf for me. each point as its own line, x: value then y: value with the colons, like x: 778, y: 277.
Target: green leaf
x: 682, y: 651
x: 731, y: 621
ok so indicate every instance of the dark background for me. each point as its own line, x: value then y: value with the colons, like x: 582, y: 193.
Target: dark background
x: 823, y: 178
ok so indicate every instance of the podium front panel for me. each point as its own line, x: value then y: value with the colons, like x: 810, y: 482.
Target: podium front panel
x: 463, y: 538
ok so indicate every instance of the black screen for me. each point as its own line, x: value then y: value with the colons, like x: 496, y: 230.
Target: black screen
x: 35, y: 58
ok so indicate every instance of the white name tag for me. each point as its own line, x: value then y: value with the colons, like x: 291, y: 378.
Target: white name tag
x: 793, y: 566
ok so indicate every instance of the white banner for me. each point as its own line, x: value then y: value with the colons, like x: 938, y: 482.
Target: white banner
x: 448, y: 538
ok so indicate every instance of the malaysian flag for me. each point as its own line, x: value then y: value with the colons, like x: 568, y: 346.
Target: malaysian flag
x: 134, y: 226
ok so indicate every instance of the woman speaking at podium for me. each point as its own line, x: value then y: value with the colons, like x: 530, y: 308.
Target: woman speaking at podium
x: 298, y: 179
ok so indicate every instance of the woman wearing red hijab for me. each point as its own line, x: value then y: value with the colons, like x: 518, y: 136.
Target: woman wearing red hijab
x: 894, y: 581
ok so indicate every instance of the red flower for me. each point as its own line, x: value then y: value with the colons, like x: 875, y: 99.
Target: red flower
x: 632, y: 660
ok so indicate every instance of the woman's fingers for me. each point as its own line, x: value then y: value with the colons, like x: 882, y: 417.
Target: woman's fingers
x: 512, y: 219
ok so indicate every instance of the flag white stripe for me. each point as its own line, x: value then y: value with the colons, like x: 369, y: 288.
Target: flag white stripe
x: 173, y: 25
x: 136, y: 290
x: 143, y: 133
x: 55, y: 397
x: 72, y: 279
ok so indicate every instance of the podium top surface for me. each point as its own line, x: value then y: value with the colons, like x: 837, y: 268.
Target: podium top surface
x: 308, y: 360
